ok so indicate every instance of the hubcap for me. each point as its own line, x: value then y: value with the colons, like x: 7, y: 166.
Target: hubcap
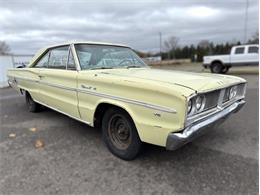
x: 119, y: 131
x: 217, y: 68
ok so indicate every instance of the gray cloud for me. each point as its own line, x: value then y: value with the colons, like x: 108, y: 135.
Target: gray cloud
x: 29, y: 25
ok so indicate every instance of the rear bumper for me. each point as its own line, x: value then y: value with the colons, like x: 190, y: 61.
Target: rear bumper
x: 176, y: 140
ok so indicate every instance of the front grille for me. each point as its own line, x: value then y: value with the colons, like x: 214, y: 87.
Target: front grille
x: 240, y: 92
x: 226, y: 94
x: 211, y: 99
x: 214, y: 102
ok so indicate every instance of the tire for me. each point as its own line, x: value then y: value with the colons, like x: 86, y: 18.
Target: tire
x: 216, y: 67
x: 225, y: 69
x: 120, y: 135
x: 31, y: 104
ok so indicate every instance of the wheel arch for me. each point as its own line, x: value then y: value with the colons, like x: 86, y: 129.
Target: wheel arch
x: 105, y: 105
x: 216, y: 61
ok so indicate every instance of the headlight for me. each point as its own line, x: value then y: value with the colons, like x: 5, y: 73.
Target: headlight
x: 233, y: 92
x: 199, y: 102
x: 189, y: 106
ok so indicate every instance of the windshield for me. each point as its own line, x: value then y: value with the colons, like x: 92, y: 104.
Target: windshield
x: 106, y: 56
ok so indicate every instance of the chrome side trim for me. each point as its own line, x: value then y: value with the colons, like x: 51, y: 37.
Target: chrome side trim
x: 59, y: 86
x: 88, y: 123
x: 25, y: 79
x: 130, y: 101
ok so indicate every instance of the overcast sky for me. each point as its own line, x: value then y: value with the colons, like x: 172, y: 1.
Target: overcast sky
x: 28, y: 25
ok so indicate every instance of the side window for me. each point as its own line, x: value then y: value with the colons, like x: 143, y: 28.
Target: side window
x: 239, y: 50
x: 253, y: 49
x: 58, y: 57
x: 71, y: 64
x: 84, y: 58
x: 43, y: 62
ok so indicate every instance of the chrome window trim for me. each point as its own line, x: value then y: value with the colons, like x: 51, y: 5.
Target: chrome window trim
x: 75, y: 56
x: 45, y: 51
x: 68, y: 58
x: 122, y: 99
x: 71, y: 52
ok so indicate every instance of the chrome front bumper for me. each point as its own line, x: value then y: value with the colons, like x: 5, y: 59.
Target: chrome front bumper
x: 176, y: 140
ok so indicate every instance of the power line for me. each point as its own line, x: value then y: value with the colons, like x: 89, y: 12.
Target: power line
x: 246, y: 19
x: 160, y: 36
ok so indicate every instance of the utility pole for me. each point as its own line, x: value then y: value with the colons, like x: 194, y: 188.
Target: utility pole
x: 246, y: 19
x: 160, y: 37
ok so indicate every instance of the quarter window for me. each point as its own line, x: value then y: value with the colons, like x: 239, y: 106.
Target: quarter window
x: 239, y: 50
x: 59, y: 57
x: 253, y: 49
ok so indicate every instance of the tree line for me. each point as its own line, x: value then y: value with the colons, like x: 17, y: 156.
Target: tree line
x: 172, y: 49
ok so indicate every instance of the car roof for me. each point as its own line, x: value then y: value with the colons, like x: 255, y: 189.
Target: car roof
x: 85, y: 42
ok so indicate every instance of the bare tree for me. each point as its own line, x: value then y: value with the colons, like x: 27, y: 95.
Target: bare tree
x: 255, y: 38
x: 4, y: 48
x: 171, y: 44
x: 204, y: 43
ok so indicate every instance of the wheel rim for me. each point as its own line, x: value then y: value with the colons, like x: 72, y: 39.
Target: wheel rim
x: 119, y: 131
x: 216, y: 68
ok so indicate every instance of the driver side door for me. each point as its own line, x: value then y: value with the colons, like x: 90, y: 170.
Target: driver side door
x: 59, y: 81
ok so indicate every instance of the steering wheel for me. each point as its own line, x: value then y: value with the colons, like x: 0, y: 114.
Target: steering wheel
x: 125, y: 60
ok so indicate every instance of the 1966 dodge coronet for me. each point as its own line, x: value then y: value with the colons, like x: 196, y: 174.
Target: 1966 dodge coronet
x: 109, y: 86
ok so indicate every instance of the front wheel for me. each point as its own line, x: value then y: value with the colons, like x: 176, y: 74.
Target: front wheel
x: 120, y: 134
x: 31, y: 104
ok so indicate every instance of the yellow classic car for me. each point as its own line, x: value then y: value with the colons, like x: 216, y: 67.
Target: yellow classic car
x: 108, y: 86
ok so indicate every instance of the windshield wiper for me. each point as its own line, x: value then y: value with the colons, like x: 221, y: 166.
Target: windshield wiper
x: 133, y: 66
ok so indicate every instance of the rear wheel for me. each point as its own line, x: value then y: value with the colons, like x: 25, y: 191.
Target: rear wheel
x: 120, y: 134
x: 216, y: 67
x: 31, y: 104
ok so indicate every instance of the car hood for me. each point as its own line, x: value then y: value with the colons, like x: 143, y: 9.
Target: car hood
x: 195, y: 81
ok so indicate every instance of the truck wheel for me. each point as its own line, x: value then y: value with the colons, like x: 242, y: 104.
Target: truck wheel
x: 31, y: 104
x: 225, y: 69
x: 216, y: 67
x: 120, y: 135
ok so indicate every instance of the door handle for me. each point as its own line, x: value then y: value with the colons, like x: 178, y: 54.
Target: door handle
x: 86, y: 87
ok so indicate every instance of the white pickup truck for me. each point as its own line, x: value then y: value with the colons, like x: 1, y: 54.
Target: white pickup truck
x: 242, y: 55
